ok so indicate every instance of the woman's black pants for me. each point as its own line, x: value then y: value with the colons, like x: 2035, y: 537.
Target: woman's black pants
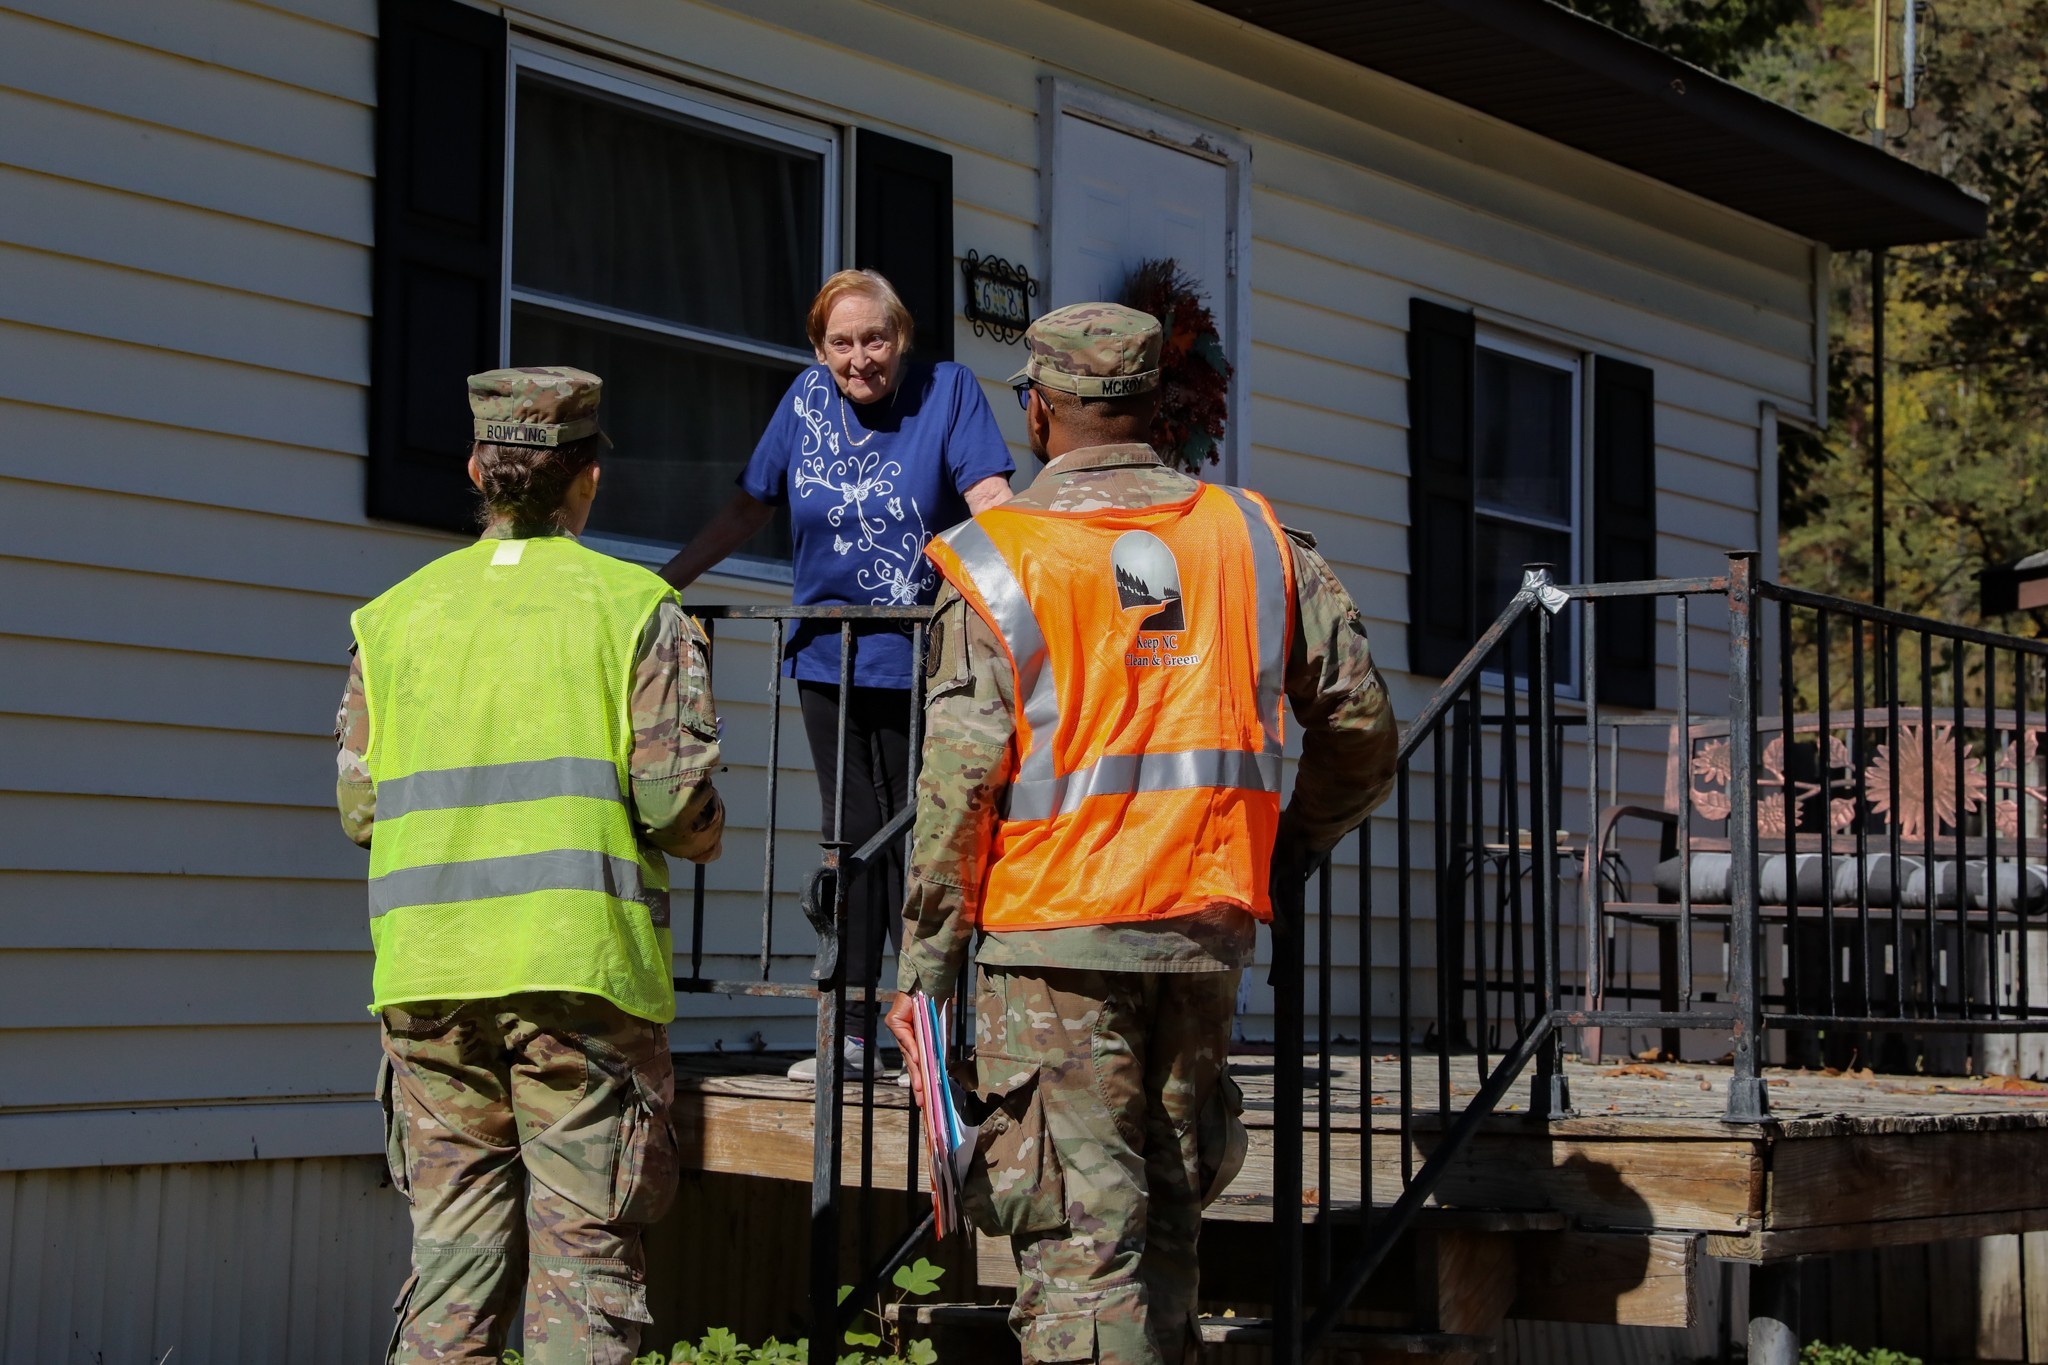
x: 877, y: 786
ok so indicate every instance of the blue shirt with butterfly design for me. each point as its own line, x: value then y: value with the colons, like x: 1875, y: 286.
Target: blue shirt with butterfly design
x: 867, y: 484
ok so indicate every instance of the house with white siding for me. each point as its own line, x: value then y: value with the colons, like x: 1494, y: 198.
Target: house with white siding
x: 1497, y: 284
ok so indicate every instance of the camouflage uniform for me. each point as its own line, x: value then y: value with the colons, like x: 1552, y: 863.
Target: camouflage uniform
x: 1104, y: 1046
x: 531, y: 1135
x: 530, y: 1132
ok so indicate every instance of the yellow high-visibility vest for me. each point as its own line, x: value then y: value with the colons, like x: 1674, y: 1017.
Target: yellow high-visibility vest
x: 499, y: 686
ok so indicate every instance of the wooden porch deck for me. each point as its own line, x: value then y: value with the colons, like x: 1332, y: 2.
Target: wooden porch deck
x: 1609, y: 1211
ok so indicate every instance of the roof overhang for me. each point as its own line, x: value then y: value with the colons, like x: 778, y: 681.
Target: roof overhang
x: 1539, y: 66
x: 2022, y: 586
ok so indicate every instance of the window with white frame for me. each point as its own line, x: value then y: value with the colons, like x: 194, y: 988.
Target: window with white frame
x: 670, y: 243
x: 1526, y: 486
x: 1523, y: 451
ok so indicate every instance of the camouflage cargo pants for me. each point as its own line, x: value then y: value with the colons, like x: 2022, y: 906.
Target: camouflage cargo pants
x: 1116, y: 1124
x: 531, y: 1135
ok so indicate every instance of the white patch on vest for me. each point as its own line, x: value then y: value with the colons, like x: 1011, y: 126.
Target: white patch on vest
x: 508, y: 552
x: 1148, y: 579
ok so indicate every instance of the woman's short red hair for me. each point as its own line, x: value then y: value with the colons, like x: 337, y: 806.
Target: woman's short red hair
x: 870, y: 283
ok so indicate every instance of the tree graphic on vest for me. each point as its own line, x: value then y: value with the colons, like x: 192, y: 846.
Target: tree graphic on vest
x: 1148, y: 576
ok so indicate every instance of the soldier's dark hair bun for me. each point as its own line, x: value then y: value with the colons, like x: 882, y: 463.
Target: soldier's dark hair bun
x: 527, y: 485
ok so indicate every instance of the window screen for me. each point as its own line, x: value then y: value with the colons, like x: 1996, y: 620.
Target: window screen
x: 1525, y: 477
x: 674, y: 256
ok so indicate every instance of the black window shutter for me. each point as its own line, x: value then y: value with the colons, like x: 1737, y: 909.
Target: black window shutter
x: 437, y: 285
x: 1625, y: 526
x: 1442, y: 360
x: 903, y: 227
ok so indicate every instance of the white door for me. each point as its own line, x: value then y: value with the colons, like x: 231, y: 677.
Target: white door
x: 1119, y: 199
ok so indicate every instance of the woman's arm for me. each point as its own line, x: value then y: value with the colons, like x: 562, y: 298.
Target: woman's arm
x: 977, y: 461
x: 730, y: 529
x: 992, y: 491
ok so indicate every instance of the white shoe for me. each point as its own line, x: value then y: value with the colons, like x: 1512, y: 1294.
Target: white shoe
x: 851, y: 1063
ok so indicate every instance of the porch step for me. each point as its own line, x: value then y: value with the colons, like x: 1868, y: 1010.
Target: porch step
x: 1215, y: 1331
x: 1258, y: 1208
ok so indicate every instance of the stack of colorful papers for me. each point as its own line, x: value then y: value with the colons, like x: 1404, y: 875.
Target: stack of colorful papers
x: 949, y: 1139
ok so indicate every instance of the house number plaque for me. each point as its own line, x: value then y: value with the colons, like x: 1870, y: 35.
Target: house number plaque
x: 998, y: 296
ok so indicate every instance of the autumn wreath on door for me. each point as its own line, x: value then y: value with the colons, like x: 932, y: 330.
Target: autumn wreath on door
x: 1194, y: 378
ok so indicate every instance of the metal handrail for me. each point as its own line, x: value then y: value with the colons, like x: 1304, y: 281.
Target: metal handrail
x: 823, y: 903
x: 1504, y: 749
x: 1489, y: 743
x: 1455, y: 702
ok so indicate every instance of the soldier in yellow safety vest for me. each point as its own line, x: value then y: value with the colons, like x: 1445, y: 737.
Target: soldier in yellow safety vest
x: 527, y: 730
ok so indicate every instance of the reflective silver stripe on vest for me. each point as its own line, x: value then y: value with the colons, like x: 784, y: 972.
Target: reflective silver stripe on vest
x: 1037, y: 792
x: 561, y: 869
x: 1269, y: 589
x: 1127, y: 774
x: 1004, y: 597
x: 496, y: 784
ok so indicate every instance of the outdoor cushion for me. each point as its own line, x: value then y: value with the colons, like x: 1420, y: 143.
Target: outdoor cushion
x: 1710, y: 873
x: 1710, y: 877
x: 2010, y: 883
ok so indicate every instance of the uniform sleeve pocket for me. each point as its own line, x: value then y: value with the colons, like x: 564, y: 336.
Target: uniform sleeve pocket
x: 1220, y: 1139
x: 1060, y: 1336
x: 697, y: 711
x: 1014, y: 1185
x: 394, y: 1127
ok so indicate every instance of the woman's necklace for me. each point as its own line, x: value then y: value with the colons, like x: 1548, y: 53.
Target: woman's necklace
x: 846, y: 424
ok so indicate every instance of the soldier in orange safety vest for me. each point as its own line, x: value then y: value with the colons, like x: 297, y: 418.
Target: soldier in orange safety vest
x: 1099, y: 814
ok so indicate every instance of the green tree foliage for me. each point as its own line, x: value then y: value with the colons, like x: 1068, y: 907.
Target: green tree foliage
x: 1993, y: 293
x: 1719, y: 35
x: 1967, y: 322
x: 1966, y: 326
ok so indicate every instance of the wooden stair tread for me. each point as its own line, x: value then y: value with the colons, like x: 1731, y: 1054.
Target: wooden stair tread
x: 1217, y: 1331
x: 1258, y: 1208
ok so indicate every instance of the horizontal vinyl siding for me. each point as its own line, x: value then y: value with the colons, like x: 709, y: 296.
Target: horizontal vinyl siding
x: 184, y: 332
x: 1339, y: 245
x: 238, y: 1261
x: 184, y: 299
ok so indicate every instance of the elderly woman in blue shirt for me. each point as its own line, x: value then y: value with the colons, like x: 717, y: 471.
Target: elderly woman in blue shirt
x: 873, y: 451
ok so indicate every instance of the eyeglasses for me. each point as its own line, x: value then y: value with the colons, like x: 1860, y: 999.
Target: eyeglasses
x: 1022, y: 388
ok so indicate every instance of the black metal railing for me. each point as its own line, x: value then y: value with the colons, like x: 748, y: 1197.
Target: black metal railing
x: 824, y: 906
x: 1875, y: 789
x: 1928, y: 750
x: 1879, y: 732
x: 1485, y: 1009
x: 1884, y: 742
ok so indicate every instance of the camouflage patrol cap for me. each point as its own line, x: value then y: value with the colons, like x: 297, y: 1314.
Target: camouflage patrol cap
x: 1095, y: 350
x: 534, y: 405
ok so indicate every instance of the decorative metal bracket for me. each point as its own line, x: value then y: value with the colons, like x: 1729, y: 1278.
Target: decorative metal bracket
x: 998, y: 296
x: 1537, y: 583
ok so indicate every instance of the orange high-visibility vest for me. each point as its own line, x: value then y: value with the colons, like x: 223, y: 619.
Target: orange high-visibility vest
x: 1149, y: 647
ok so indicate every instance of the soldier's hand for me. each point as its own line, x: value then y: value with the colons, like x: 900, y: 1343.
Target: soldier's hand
x: 901, y: 1022
x: 1292, y: 860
